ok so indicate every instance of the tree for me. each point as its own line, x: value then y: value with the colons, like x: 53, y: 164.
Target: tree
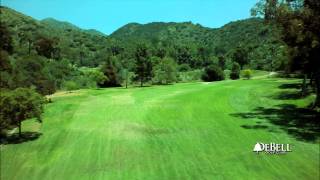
x: 166, y: 71
x: 47, y: 47
x: 222, y: 62
x: 143, y: 65
x: 184, y: 55
x: 5, y: 70
x: 70, y: 85
x: 59, y: 70
x: 247, y: 73
x: 240, y: 55
x: 27, y: 34
x: 266, y: 8
x: 235, y: 71
x: 300, y: 24
x: 30, y: 71
x: 161, y: 52
x: 19, y: 105
x: 5, y: 38
x: 111, y: 71
x: 95, y: 75
x: 202, y: 55
x: 212, y: 73
x: 184, y: 68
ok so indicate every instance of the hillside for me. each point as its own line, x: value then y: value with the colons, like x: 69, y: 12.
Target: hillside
x: 66, y: 26
x: 72, y: 40
x: 186, y: 32
x: 259, y: 39
x: 85, y: 46
x: 247, y: 31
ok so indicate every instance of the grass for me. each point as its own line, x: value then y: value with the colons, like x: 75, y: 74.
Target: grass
x: 183, y: 131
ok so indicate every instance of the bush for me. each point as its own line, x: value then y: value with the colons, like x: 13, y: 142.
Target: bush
x: 70, y: 85
x: 19, y: 105
x: 190, y: 76
x: 247, y: 73
x: 184, y: 68
x: 235, y: 71
x: 93, y: 75
x: 165, y: 72
x: 213, y: 73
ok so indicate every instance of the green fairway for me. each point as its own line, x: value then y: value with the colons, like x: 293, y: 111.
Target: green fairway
x: 183, y: 131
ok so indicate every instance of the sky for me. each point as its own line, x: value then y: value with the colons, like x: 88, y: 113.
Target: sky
x: 109, y: 15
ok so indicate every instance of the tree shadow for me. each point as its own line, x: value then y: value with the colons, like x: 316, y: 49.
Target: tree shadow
x: 255, y: 126
x: 290, y: 86
x: 290, y: 95
x: 301, y: 123
x: 16, y: 139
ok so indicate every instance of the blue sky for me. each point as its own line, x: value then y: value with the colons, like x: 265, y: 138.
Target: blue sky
x: 109, y: 15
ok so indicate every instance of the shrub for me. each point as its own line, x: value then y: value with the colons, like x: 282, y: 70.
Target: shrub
x: 247, y: 73
x: 213, y: 73
x: 190, y: 76
x: 70, y: 85
x: 235, y: 71
x: 165, y: 72
x: 19, y: 105
x: 93, y: 77
x: 184, y: 68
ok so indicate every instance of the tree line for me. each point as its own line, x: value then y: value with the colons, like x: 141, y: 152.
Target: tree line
x: 299, y: 22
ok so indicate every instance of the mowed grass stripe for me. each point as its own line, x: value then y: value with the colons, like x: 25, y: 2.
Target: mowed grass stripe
x: 183, y: 131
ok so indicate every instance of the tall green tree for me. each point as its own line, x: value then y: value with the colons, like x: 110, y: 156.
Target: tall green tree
x: 300, y: 24
x: 27, y: 34
x: 165, y: 72
x: 111, y: 70
x: 48, y: 47
x: 222, y: 62
x: 5, y: 38
x: 240, y: 55
x: 5, y: 70
x: 235, y: 71
x: 30, y: 71
x: 143, y: 64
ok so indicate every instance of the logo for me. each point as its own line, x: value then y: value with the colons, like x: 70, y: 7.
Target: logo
x: 272, y: 148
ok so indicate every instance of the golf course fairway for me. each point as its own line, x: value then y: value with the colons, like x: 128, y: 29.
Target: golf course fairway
x: 181, y: 131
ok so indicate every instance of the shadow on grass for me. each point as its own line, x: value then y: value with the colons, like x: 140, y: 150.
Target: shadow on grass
x: 301, y: 123
x: 255, y: 126
x: 290, y: 86
x: 289, y: 95
x: 16, y: 139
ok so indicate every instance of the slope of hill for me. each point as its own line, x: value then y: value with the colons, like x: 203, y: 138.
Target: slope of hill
x: 66, y: 26
x: 83, y: 46
x: 73, y: 41
x: 242, y: 32
x: 261, y: 40
x: 186, y: 32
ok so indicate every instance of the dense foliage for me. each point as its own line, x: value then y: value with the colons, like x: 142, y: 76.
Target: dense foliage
x: 247, y: 73
x: 213, y: 73
x: 235, y: 71
x: 19, y: 105
x: 299, y: 22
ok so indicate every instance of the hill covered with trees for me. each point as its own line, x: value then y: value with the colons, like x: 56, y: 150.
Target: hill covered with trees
x: 187, y: 43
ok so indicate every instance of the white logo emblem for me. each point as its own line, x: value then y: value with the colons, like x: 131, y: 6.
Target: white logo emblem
x: 257, y: 148
x: 271, y: 148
